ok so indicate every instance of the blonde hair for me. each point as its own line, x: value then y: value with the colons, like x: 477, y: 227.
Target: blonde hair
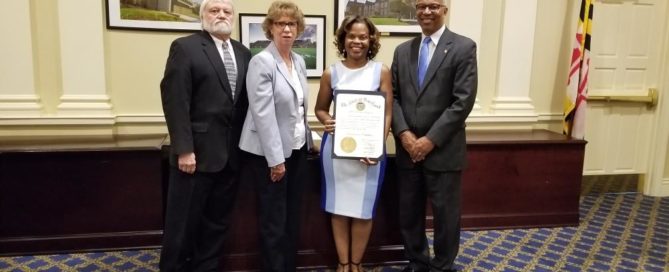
x: 282, y: 8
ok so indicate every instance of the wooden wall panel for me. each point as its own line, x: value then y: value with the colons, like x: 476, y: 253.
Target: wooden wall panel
x: 111, y: 199
x: 53, y: 201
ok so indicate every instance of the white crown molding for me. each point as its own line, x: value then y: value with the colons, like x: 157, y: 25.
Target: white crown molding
x: 125, y: 119
x: 20, y: 105
x: 480, y: 119
x: 160, y: 119
x: 513, y: 106
x: 141, y: 125
x: 85, y: 105
x: 19, y: 98
x: 153, y: 125
x: 550, y: 117
x: 84, y: 98
x: 56, y: 121
x: 140, y: 119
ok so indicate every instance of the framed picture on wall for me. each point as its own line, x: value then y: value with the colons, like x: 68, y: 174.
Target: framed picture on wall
x: 394, y: 17
x: 166, y: 15
x: 310, y: 45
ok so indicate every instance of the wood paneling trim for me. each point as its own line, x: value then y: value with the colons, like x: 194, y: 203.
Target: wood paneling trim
x: 114, y: 198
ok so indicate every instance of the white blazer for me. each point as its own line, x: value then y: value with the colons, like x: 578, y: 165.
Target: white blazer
x: 270, y: 120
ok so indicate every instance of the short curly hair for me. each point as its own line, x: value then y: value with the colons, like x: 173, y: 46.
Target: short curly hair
x: 282, y: 8
x: 345, y: 27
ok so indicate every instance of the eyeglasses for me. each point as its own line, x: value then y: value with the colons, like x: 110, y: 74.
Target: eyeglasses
x: 282, y: 25
x: 431, y: 7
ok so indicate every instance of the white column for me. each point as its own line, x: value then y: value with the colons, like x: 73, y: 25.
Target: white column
x: 18, y: 96
x: 515, y: 65
x: 656, y: 182
x: 466, y: 18
x: 82, y: 56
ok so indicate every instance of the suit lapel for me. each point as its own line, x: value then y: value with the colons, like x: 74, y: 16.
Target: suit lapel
x: 280, y: 65
x: 440, y: 53
x: 209, y: 48
x: 413, y: 63
x: 303, y: 81
x: 241, y: 69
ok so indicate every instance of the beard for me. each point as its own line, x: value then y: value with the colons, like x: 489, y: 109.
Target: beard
x: 223, y: 27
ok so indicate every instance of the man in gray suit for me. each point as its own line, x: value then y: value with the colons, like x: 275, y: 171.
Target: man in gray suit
x: 434, y: 86
x: 204, y: 99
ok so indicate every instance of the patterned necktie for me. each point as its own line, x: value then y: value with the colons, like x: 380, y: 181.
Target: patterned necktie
x: 230, y: 68
x: 423, y: 60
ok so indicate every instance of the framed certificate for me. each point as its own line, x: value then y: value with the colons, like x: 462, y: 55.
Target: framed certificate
x: 359, y: 131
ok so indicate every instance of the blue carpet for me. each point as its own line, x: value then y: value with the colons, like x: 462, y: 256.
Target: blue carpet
x: 618, y: 232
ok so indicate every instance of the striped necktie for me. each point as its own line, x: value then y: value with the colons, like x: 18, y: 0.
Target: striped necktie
x: 230, y: 68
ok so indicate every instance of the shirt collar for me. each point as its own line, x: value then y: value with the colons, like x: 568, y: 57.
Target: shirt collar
x: 219, y: 42
x: 435, y: 36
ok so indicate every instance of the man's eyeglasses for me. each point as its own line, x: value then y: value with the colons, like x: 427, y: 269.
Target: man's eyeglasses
x: 431, y: 7
x: 282, y: 25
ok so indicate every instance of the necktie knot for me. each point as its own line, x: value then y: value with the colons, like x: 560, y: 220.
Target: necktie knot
x: 426, y: 41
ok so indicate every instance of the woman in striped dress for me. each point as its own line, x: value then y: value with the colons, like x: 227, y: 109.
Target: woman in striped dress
x: 351, y: 187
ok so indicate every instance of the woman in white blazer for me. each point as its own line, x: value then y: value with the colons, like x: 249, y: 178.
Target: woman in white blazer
x: 277, y: 136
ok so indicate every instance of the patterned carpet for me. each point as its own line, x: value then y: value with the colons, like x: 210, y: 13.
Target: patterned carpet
x: 618, y: 232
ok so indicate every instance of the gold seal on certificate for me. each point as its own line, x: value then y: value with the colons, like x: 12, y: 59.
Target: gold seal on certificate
x: 360, y: 128
x: 348, y: 144
x: 360, y: 106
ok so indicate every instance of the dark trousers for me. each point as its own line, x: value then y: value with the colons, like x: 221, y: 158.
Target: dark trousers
x: 279, y: 210
x: 443, y: 189
x: 197, y: 218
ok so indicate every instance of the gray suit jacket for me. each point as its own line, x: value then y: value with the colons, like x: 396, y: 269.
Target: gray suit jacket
x: 270, y: 122
x: 437, y: 110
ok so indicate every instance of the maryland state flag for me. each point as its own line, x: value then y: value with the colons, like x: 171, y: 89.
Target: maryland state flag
x: 577, y: 86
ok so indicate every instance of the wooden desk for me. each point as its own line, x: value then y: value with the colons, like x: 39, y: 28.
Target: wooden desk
x: 521, y: 179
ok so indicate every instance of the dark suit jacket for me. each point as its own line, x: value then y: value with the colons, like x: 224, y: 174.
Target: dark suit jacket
x: 439, y: 109
x: 198, y: 104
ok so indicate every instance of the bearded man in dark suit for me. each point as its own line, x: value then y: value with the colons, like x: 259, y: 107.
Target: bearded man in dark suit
x: 434, y: 87
x: 204, y: 100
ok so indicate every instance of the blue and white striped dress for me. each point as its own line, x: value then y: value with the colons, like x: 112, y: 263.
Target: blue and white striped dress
x: 350, y: 188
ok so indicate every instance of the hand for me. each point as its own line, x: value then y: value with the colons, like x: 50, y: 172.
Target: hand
x: 277, y: 172
x: 186, y: 162
x: 408, y: 140
x: 368, y: 161
x: 422, y: 147
x: 329, y: 126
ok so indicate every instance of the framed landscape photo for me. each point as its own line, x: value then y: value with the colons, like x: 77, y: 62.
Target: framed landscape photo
x: 394, y: 17
x: 310, y: 45
x: 166, y: 15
